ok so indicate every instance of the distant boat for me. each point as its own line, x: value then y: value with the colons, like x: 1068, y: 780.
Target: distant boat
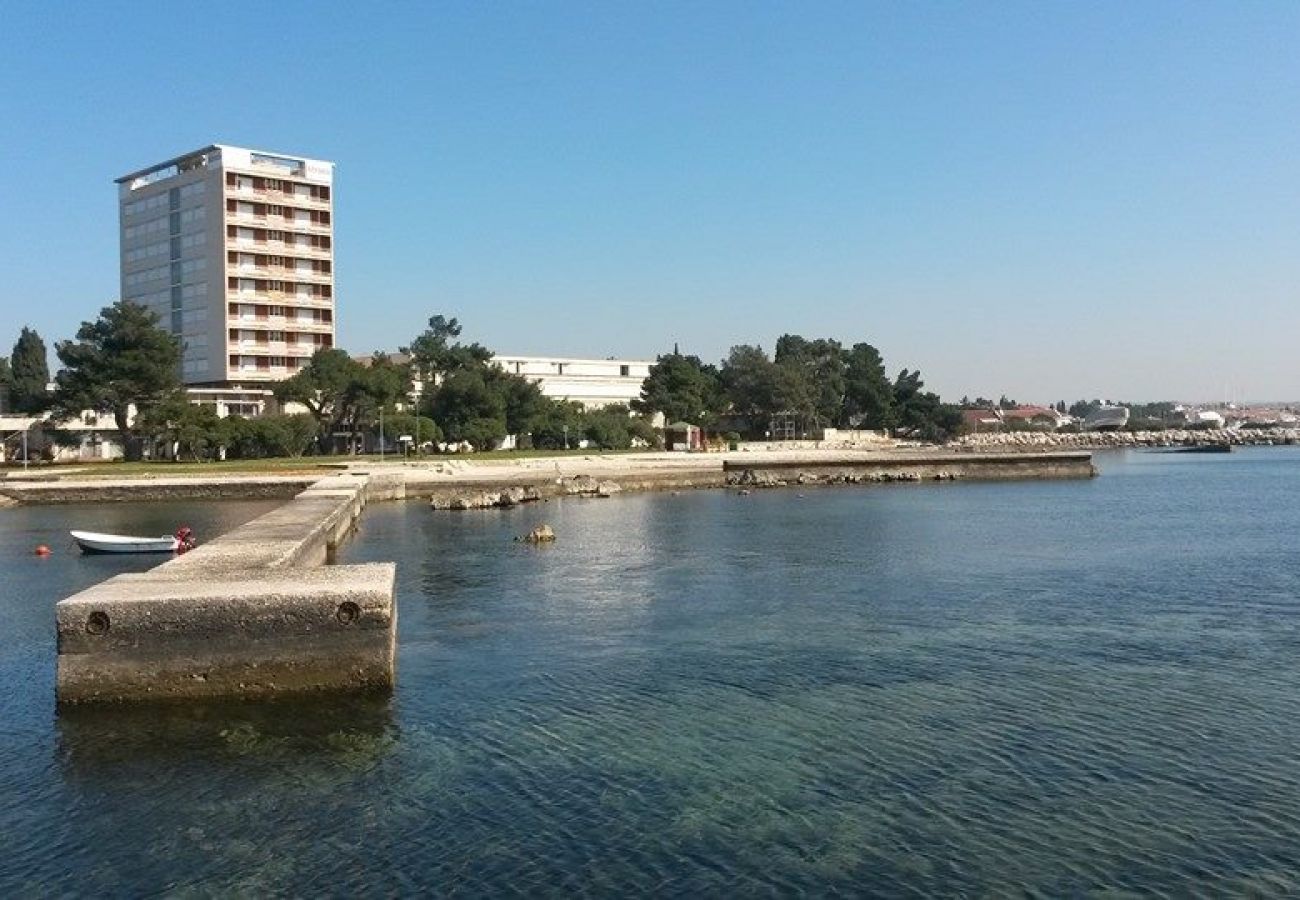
x: 1106, y: 418
x: 93, y: 542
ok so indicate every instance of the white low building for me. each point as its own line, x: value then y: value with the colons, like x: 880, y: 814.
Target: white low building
x: 592, y: 382
x: 91, y: 436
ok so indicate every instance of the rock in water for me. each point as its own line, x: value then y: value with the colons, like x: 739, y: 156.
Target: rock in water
x: 542, y: 534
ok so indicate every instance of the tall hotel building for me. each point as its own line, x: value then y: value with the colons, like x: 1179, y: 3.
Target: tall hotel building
x: 234, y: 250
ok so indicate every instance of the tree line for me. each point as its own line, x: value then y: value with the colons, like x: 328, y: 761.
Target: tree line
x: 805, y: 386
x: 124, y: 362
x: 443, y: 391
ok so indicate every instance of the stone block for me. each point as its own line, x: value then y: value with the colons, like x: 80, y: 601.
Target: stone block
x: 146, y: 637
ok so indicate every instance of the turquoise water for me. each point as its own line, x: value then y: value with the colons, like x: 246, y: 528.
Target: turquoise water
x: 1047, y: 688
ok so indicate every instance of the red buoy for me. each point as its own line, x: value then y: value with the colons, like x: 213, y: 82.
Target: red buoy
x: 42, y: 550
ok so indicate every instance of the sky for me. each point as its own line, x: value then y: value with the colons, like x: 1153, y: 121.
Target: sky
x: 1044, y: 200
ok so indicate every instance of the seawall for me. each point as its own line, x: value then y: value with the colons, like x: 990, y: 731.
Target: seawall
x: 256, y: 612
x: 213, y: 487
x: 909, y: 468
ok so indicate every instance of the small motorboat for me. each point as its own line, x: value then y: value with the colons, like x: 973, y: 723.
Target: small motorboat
x: 94, y: 542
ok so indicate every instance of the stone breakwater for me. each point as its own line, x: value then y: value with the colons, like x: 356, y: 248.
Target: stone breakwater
x: 1037, y: 441
x: 498, y: 498
x: 256, y: 612
x: 915, y: 467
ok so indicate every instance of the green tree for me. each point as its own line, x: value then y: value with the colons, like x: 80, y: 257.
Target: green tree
x: 468, y: 409
x: 435, y: 352
x: 283, y: 434
x: 30, y: 373
x: 561, y: 422
x: 815, y: 377
x: 422, y: 429
x: 524, y: 401
x: 341, y: 394
x: 6, y: 385
x: 189, y: 429
x: 119, y: 361
x: 920, y: 413
x: 748, y: 380
x: 868, y: 394
x: 682, y: 388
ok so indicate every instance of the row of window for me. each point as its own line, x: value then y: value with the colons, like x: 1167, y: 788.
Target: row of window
x: 189, y: 294
x: 264, y: 311
x: 251, y: 363
x: 244, y: 234
x: 288, y: 214
x: 186, y: 220
x: 162, y: 248
x: 301, y: 339
x: 263, y: 260
x: 300, y: 290
x: 163, y: 200
x: 258, y: 183
x: 180, y: 271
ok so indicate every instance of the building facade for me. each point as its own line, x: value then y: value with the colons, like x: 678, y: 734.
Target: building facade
x: 234, y: 250
x: 592, y: 382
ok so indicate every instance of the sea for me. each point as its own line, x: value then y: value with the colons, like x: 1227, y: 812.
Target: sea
x: 1039, y: 688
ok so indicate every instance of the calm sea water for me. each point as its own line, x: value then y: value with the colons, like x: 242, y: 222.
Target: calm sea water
x: 1050, y: 688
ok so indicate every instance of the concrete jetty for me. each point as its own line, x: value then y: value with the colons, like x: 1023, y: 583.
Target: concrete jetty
x: 253, y: 613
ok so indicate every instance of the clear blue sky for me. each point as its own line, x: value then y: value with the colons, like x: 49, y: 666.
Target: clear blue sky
x: 1044, y: 199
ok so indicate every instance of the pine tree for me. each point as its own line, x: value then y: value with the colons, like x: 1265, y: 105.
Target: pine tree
x: 30, y: 373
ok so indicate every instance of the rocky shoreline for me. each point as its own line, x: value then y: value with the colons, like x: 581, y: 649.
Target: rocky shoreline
x: 1038, y: 441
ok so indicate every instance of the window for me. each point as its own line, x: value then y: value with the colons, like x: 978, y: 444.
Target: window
x: 625, y: 371
x: 277, y: 336
x: 277, y: 362
x: 277, y: 310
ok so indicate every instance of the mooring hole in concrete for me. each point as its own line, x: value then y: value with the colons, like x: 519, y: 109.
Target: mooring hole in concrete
x: 97, y: 622
x: 348, y: 612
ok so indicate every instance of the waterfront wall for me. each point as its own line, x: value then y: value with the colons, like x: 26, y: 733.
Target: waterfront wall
x: 910, y: 468
x: 150, y: 490
x: 253, y: 613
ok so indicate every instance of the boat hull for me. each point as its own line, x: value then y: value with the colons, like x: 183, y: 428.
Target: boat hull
x: 94, y: 542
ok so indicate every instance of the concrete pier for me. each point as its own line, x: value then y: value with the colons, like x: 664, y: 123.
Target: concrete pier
x: 256, y: 612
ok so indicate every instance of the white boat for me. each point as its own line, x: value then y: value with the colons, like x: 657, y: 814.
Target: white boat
x: 93, y: 542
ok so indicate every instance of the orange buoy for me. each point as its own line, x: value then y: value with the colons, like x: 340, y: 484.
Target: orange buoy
x: 42, y: 550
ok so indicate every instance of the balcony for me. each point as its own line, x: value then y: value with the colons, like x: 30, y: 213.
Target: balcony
x: 277, y: 223
x: 281, y: 197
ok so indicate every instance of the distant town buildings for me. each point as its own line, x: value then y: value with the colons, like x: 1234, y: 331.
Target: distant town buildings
x: 234, y: 250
